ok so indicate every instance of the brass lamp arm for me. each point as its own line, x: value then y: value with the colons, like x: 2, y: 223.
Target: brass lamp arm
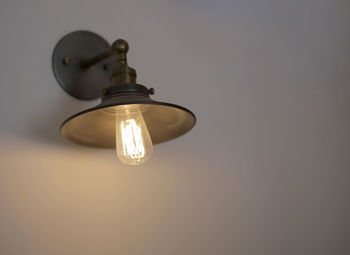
x: 119, y: 48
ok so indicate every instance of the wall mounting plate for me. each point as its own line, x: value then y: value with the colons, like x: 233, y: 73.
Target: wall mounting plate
x: 79, y: 82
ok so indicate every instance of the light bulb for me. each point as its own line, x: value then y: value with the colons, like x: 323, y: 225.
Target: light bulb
x: 133, y: 142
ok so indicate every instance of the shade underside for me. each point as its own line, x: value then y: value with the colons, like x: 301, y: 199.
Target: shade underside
x: 96, y: 127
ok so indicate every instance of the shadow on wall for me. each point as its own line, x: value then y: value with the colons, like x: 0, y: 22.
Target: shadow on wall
x: 44, y: 126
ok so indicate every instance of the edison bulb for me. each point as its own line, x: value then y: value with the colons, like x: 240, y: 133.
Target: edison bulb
x: 133, y: 142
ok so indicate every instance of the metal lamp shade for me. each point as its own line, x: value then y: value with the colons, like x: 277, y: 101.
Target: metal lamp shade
x: 95, y: 127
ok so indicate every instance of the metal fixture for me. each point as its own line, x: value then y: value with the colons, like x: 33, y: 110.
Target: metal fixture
x: 86, y: 67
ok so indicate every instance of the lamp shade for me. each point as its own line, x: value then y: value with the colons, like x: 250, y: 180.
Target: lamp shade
x: 95, y: 127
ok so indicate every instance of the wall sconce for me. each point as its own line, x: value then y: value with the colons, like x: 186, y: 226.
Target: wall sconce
x: 127, y: 119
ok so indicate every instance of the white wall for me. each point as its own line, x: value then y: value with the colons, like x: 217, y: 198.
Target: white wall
x: 265, y: 171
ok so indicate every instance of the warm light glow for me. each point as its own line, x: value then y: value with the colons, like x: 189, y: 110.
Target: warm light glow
x: 133, y: 142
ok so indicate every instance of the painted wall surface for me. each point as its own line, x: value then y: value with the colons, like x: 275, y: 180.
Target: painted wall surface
x: 265, y: 171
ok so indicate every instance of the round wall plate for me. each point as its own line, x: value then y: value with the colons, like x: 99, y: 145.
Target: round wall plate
x: 67, y: 57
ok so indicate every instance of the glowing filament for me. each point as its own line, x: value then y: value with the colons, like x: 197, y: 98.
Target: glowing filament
x: 132, y: 139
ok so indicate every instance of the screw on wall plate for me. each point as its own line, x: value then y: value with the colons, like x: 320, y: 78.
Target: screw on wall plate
x: 107, y: 67
x: 66, y: 61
